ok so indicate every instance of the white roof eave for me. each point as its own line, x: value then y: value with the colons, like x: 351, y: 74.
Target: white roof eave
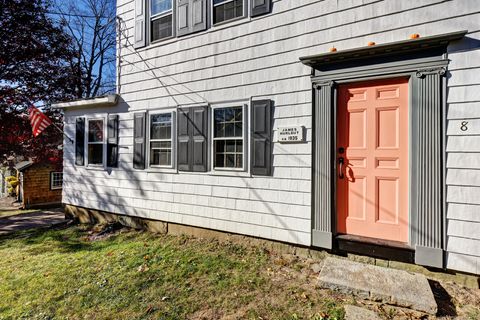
x: 103, y: 101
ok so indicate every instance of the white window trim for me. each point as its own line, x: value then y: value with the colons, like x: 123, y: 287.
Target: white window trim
x: 245, y: 144
x: 152, y: 17
x: 104, y: 144
x: 173, y: 166
x: 52, y: 187
x: 246, y: 8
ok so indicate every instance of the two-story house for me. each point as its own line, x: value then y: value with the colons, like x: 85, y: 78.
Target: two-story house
x: 349, y: 125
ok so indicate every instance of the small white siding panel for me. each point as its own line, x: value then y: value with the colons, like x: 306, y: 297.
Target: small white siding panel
x: 463, y: 154
x: 259, y: 58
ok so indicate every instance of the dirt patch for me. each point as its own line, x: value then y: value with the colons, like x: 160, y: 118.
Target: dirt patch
x: 104, y: 231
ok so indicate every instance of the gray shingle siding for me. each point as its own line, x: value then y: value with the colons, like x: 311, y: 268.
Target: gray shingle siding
x: 258, y: 57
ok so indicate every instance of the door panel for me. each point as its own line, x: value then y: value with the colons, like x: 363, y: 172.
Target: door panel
x: 372, y: 159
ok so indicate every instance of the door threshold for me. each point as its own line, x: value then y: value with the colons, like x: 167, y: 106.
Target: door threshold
x: 378, y: 248
x: 375, y: 241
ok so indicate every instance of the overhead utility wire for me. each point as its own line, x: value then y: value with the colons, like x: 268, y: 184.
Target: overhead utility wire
x: 79, y: 15
x: 151, y: 68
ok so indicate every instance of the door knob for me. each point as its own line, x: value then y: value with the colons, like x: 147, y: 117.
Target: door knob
x: 340, y: 167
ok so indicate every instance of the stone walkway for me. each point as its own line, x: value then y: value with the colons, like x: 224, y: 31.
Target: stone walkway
x: 42, y: 219
x: 8, y: 204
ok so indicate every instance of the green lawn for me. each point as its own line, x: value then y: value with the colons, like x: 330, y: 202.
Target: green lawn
x: 9, y: 213
x: 64, y: 274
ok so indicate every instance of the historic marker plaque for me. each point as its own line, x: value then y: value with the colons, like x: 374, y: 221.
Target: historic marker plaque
x: 290, y: 134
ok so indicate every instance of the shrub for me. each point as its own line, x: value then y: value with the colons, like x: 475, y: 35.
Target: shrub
x: 12, y: 184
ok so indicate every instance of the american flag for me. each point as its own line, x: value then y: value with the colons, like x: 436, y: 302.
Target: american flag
x: 38, y: 120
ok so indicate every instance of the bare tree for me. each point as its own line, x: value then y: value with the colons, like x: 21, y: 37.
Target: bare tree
x: 91, y: 23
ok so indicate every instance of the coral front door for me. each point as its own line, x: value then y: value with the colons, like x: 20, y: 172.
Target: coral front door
x: 372, y: 159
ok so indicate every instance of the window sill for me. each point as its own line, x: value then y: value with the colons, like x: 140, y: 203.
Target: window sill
x: 219, y: 24
x: 160, y: 170
x: 229, y: 173
x: 95, y: 167
x: 162, y: 40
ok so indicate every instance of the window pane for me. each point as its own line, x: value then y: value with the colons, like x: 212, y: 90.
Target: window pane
x: 160, y: 157
x: 161, y: 126
x: 161, y: 145
x: 239, y: 161
x: 227, y: 10
x: 159, y: 6
x: 230, y: 146
x: 228, y: 122
x: 230, y: 130
x: 230, y: 114
x: 228, y: 153
x: 238, y: 114
x: 162, y: 27
x: 161, y: 153
x: 220, y: 130
x: 219, y: 115
x: 95, y: 131
x: 161, y: 117
x: 238, y: 129
x: 230, y: 160
x: 95, y: 153
x: 220, y: 146
x: 239, y: 146
x: 219, y: 160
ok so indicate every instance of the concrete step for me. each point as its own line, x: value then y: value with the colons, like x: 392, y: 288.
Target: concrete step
x: 390, y: 286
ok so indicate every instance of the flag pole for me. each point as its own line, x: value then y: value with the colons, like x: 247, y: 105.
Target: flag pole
x: 59, y: 129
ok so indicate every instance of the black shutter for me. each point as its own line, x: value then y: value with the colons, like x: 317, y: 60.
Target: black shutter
x: 261, y: 137
x: 140, y: 23
x: 191, y: 16
x: 183, y: 140
x: 259, y: 7
x: 112, y: 140
x: 192, y: 139
x: 139, y: 140
x: 80, y: 142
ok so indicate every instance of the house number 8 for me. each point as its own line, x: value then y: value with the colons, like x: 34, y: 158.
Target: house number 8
x: 463, y: 126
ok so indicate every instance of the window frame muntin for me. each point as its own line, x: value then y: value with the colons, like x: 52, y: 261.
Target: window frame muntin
x: 52, y: 173
x: 104, y: 143
x: 245, y: 126
x: 245, y: 14
x: 173, y: 139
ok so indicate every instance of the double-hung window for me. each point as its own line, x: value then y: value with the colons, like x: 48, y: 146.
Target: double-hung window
x: 228, y: 137
x: 161, y: 140
x: 161, y: 19
x: 224, y: 10
x: 95, y: 141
